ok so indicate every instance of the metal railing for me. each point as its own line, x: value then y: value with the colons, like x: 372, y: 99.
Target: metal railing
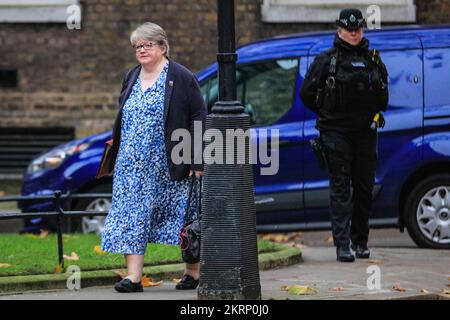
x: 59, y: 212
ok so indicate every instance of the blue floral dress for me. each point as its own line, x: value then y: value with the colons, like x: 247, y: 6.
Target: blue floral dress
x: 147, y: 206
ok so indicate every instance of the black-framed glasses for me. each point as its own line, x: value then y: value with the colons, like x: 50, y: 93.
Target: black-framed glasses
x: 146, y: 46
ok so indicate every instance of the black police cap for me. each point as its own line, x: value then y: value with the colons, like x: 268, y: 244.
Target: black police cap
x: 351, y: 19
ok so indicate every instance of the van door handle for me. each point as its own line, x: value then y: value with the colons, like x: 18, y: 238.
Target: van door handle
x: 414, y: 79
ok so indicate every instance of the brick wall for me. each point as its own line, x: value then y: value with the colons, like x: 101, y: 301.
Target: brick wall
x: 73, y: 77
x: 433, y: 11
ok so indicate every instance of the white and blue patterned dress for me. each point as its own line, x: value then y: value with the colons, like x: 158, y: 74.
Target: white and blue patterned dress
x: 147, y: 206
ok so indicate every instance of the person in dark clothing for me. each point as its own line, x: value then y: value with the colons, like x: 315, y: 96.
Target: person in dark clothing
x: 346, y: 86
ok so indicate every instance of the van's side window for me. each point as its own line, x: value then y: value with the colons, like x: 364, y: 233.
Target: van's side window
x: 265, y: 89
x: 437, y: 66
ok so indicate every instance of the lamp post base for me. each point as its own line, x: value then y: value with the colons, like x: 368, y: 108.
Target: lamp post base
x: 229, y: 253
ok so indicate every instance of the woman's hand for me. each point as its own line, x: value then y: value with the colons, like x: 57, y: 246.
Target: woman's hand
x: 198, y: 174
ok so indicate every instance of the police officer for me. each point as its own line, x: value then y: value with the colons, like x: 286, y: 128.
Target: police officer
x: 347, y: 87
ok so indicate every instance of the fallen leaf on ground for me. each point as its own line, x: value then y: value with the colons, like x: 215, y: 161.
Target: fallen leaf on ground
x: 4, y: 265
x: 43, y: 234
x: 280, y: 238
x: 289, y: 237
x: 174, y: 280
x: 148, y: 282
x: 294, y: 236
x: 31, y: 236
x: 397, y: 287
x: 99, y: 250
x: 73, y: 256
x: 374, y: 261
x: 292, y: 244
x: 59, y: 269
x: 299, y: 290
x: 121, y: 273
x: 338, y: 289
x: 299, y: 246
x: 445, y: 291
x: 329, y: 239
x: 295, y: 245
x: 275, y: 237
x: 424, y: 291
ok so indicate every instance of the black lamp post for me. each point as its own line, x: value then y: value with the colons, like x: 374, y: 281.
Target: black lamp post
x: 229, y: 254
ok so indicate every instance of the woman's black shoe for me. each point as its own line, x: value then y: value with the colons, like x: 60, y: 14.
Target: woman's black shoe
x: 125, y: 285
x: 187, y: 283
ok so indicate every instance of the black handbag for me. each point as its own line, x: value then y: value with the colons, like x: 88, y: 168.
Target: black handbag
x: 190, y: 235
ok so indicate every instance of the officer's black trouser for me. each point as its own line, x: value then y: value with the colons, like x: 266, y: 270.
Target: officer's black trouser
x: 351, y: 160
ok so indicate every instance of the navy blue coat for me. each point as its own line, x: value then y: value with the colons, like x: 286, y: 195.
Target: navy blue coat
x: 183, y: 104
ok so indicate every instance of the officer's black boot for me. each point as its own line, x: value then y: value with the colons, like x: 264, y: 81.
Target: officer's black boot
x: 344, y: 254
x: 361, y: 251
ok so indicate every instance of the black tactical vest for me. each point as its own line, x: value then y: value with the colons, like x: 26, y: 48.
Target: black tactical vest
x: 354, y: 82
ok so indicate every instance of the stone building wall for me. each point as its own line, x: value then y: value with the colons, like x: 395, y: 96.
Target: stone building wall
x: 72, y: 78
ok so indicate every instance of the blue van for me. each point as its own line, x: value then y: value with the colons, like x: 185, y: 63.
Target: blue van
x: 413, y: 172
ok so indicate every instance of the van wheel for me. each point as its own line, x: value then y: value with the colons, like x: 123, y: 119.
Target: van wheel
x: 427, y: 212
x: 92, y: 224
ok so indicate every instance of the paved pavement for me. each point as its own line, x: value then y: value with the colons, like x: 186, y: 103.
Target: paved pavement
x: 383, y: 238
x: 399, y: 262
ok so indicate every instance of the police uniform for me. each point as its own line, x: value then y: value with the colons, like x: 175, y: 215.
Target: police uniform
x: 347, y: 86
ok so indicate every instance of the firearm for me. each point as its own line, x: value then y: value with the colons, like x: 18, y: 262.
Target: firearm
x: 317, y: 147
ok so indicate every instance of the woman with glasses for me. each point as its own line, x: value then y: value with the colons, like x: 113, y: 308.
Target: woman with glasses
x: 150, y: 191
